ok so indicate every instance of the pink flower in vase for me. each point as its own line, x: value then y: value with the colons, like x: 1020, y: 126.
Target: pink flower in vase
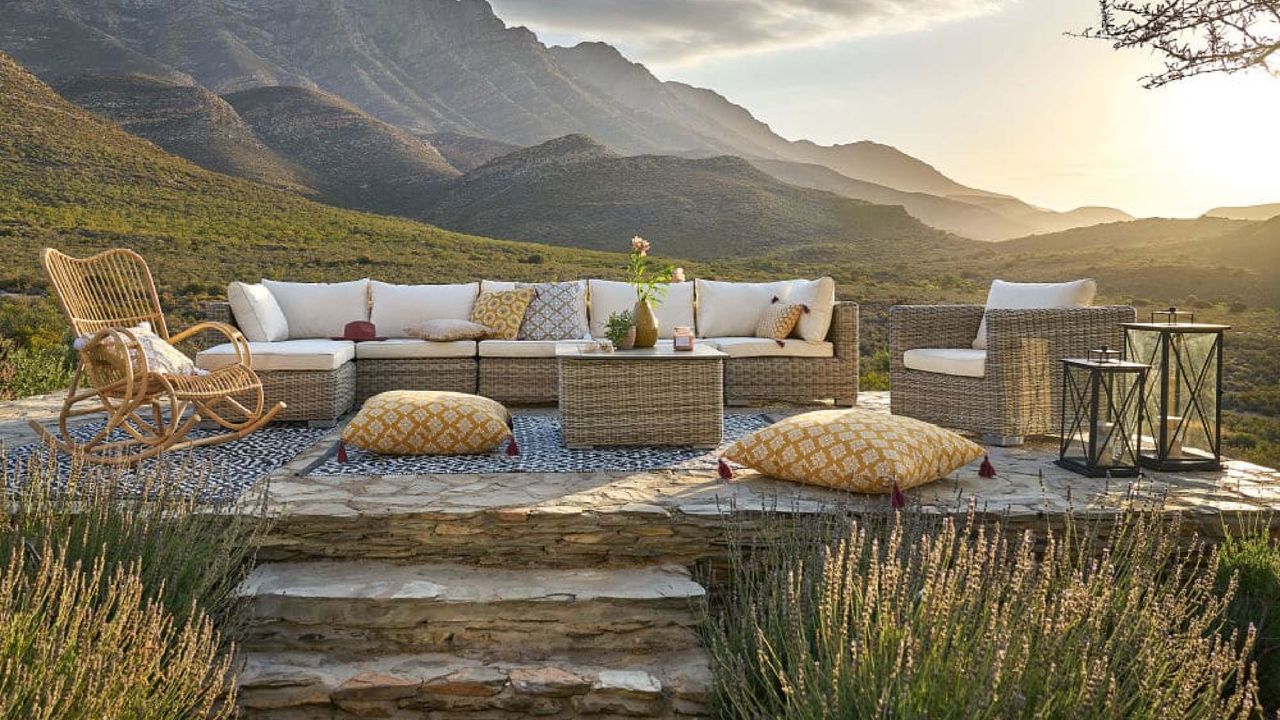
x: 677, y: 275
x: 639, y: 245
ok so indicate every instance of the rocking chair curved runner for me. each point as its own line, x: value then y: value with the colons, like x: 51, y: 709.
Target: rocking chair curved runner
x: 105, y: 297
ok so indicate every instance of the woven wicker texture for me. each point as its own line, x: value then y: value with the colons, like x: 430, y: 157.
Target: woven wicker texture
x: 642, y: 402
x: 1021, y: 391
x: 801, y: 380
x: 382, y: 375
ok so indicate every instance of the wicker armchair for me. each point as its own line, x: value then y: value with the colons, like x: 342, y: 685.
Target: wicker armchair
x: 145, y: 412
x: 1020, y: 391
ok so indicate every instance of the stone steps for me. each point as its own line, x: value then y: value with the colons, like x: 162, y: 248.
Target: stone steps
x: 310, y: 686
x: 350, y: 610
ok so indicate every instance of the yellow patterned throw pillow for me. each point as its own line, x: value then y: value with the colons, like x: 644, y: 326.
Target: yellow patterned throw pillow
x: 856, y: 450
x: 778, y: 321
x: 502, y: 312
x: 424, y: 422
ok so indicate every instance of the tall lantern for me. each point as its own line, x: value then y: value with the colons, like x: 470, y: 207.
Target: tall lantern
x: 1183, y: 398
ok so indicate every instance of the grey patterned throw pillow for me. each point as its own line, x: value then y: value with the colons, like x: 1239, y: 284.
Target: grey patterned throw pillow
x: 555, y: 313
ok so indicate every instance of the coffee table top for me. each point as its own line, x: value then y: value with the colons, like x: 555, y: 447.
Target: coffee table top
x: 661, y: 352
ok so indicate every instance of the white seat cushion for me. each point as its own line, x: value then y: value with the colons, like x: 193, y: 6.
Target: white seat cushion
x: 257, y: 313
x: 407, y: 348
x: 609, y: 296
x: 965, y: 362
x: 748, y: 347
x: 320, y: 310
x: 518, y: 348
x: 396, y: 308
x: 728, y: 309
x: 1030, y: 296
x: 285, y: 355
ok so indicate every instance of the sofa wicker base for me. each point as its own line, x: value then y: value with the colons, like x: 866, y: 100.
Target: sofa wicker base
x: 320, y: 396
x: 380, y: 375
x: 791, y: 380
x: 520, y: 381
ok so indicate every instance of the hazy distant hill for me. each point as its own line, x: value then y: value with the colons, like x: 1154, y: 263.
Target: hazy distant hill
x: 355, y: 160
x: 430, y: 66
x: 185, y: 120
x: 468, y: 152
x: 1246, y: 212
x: 574, y: 191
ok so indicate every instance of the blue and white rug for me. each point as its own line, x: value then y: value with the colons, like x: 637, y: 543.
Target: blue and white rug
x: 542, y: 451
x: 217, y: 473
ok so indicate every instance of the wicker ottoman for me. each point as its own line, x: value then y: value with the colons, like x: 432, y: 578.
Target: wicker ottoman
x: 657, y: 396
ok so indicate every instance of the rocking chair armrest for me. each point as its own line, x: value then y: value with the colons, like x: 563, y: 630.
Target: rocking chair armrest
x: 118, y: 348
x: 233, y: 336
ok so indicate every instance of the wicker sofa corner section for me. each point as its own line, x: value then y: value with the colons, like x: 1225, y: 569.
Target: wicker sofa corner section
x: 1020, y: 392
x: 801, y: 379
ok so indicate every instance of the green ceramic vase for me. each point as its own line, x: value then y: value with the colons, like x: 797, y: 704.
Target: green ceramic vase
x: 646, y: 326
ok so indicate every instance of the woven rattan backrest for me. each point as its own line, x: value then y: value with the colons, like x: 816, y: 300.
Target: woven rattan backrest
x: 111, y: 289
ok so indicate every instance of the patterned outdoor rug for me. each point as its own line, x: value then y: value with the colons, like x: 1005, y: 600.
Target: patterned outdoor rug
x: 218, y: 473
x: 541, y: 451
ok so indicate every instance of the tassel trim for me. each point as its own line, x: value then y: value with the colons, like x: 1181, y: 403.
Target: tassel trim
x: 897, y: 500
x: 342, y: 451
x: 986, y: 469
x: 726, y: 472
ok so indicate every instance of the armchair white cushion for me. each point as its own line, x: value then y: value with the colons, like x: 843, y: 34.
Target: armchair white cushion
x: 1030, y: 296
x: 610, y: 296
x: 257, y: 313
x: 398, y: 308
x: 320, y: 310
x: 964, y: 362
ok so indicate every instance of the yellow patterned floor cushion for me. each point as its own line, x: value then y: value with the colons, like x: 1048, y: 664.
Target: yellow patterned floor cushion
x: 856, y: 450
x: 418, y: 422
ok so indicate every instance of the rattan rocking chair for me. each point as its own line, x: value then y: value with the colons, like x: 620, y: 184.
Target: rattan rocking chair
x: 147, y: 412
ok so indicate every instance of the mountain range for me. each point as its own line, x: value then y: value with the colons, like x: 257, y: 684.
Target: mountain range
x: 450, y: 71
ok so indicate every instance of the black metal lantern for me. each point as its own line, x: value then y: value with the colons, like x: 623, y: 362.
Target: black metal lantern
x: 1102, y: 414
x: 1183, y: 401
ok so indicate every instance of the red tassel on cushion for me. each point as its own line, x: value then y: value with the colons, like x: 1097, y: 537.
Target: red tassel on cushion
x: 986, y: 469
x: 512, y: 448
x: 781, y: 343
x: 897, y: 500
x: 342, y: 451
x: 726, y: 472
x: 774, y: 300
x: 805, y: 308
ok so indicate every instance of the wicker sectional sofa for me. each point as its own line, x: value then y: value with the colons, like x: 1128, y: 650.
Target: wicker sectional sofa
x: 321, y: 379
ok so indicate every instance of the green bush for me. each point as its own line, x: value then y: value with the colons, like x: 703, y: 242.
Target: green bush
x: 911, y: 617
x: 118, y: 597
x: 1252, y: 557
x: 874, y: 370
x: 25, y: 372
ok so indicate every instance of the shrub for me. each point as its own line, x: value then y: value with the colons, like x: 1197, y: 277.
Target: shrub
x: 25, y: 372
x: 84, y: 643
x: 874, y: 370
x: 912, y: 617
x: 1253, y: 557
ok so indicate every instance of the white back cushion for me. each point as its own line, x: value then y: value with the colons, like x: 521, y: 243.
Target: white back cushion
x: 729, y: 309
x: 1030, y: 296
x: 320, y: 310
x: 397, y: 308
x: 257, y: 313
x: 610, y: 296
x: 820, y: 297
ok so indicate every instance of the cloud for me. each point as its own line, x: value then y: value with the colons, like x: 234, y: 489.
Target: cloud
x: 682, y: 32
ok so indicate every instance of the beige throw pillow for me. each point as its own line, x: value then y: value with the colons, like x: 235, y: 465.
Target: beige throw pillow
x: 445, y: 330
x: 778, y: 321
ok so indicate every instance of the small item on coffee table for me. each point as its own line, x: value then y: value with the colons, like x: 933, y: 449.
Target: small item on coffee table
x: 447, y: 330
x: 682, y: 338
x: 428, y: 422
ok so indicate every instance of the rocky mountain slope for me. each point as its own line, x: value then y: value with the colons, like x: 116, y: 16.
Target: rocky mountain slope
x: 352, y: 158
x: 79, y: 183
x: 468, y: 152
x: 432, y: 66
x: 574, y: 191
x: 188, y: 121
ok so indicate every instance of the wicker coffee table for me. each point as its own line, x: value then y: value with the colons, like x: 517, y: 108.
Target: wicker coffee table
x: 656, y: 396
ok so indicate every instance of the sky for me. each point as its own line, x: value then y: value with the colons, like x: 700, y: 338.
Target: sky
x: 991, y: 92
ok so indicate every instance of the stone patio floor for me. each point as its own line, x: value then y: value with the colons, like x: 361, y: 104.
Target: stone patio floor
x: 1028, y: 484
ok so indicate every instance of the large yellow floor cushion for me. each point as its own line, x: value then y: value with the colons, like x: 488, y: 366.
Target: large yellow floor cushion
x: 856, y: 450
x: 420, y: 422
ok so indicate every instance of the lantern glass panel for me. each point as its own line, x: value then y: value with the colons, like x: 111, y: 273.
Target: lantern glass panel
x: 1182, y: 423
x: 1101, y: 409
